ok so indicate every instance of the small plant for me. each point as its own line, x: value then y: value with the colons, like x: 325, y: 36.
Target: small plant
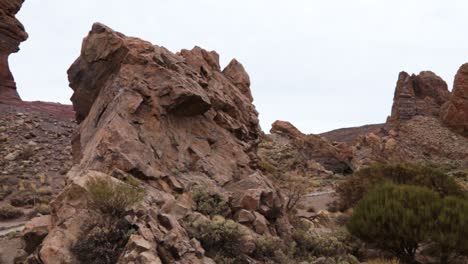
x: 396, y: 218
x: 8, y: 212
x: 42, y: 209
x: 210, y: 204
x: 102, y: 243
x: 24, y: 198
x: 296, y: 188
x: 268, y: 246
x: 103, y: 240
x: 113, y: 198
x: 219, y: 236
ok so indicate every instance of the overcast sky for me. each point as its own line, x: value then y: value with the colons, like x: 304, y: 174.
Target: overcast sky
x: 320, y: 64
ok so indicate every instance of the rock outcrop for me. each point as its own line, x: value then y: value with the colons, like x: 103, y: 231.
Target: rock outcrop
x: 418, y: 95
x: 418, y: 129
x: 455, y: 112
x: 291, y: 152
x: 12, y: 33
x: 174, y: 122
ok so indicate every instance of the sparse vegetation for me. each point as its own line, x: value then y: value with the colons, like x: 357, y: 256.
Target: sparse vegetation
x: 296, y: 188
x: 269, y: 247
x: 210, y: 203
x: 113, y: 198
x: 219, y: 236
x: 103, y: 240
x: 42, y: 209
x: 24, y: 198
x: 8, y: 212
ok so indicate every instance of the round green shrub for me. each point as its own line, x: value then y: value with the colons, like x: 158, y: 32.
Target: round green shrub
x: 396, y: 218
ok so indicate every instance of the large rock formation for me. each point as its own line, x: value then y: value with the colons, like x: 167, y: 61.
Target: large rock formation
x: 291, y: 153
x: 173, y: 121
x: 455, y: 112
x: 11, y: 35
x: 421, y: 94
x: 416, y: 131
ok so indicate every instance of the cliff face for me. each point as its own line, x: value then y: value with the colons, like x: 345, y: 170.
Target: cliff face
x: 455, y: 112
x: 427, y: 124
x: 175, y: 122
x: 416, y: 95
x: 12, y: 33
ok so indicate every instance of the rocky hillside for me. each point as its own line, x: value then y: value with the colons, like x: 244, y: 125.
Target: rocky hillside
x: 162, y: 160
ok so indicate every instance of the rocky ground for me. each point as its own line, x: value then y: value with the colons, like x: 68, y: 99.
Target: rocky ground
x: 35, y: 154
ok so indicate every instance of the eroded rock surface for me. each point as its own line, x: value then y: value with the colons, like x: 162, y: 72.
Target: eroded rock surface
x: 416, y: 95
x: 290, y: 152
x: 455, y: 112
x: 173, y: 121
x: 12, y: 33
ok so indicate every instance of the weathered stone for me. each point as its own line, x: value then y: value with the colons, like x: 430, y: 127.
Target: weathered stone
x: 244, y: 216
x: 11, y: 35
x: 286, y: 129
x: 421, y: 94
x: 35, y: 231
x: 455, y: 112
x: 173, y: 122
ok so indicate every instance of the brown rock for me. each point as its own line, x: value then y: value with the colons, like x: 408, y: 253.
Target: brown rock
x: 35, y: 231
x: 421, y: 94
x: 11, y: 35
x: 173, y: 122
x: 455, y: 112
x: 285, y: 128
x: 237, y: 74
x: 244, y: 216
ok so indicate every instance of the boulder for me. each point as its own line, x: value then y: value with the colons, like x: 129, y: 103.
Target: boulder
x: 455, y: 112
x: 35, y: 231
x: 12, y: 33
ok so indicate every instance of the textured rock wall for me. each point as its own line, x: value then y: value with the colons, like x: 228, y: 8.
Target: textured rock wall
x: 11, y: 35
x: 175, y: 122
x: 421, y: 94
x: 455, y: 112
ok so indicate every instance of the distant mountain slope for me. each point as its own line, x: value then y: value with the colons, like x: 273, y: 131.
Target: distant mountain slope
x: 350, y: 134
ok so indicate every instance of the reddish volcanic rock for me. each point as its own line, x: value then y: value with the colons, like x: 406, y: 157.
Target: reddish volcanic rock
x: 237, y: 74
x: 421, y: 94
x: 455, y: 112
x: 174, y: 122
x: 286, y: 129
x: 11, y: 35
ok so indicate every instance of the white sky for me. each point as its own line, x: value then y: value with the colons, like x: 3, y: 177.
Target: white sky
x: 320, y: 64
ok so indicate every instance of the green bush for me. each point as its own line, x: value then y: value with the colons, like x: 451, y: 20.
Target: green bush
x: 451, y: 233
x: 356, y: 186
x: 113, y: 198
x: 218, y: 237
x: 268, y: 247
x: 309, y: 245
x: 8, y: 212
x: 102, y: 242
x: 396, y: 218
x: 210, y: 204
